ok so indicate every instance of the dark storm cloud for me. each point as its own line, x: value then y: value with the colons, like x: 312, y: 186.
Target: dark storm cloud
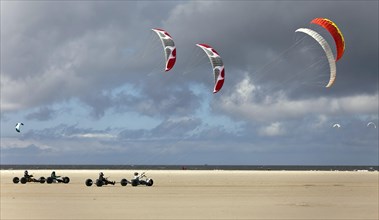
x: 28, y: 27
x: 80, y: 48
x: 63, y: 50
x: 104, y: 55
x: 252, y: 34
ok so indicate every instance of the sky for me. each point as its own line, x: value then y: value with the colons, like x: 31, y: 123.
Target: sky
x: 87, y: 80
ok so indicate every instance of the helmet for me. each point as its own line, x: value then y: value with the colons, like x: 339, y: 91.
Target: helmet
x: 53, y: 172
x: 135, y: 174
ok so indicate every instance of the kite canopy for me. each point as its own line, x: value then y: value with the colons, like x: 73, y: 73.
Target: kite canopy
x: 336, y: 126
x: 217, y: 65
x: 372, y: 124
x: 18, y: 126
x: 329, y: 54
x: 335, y: 32
x: 168, y: 46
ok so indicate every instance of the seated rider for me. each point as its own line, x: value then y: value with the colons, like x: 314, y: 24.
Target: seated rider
x: 105, y: 180
x: 136, y: 176
x: 26, y: 175
x: 101, y: 176
x: 55, y: 177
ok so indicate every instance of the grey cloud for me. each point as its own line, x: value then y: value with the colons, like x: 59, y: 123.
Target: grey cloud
x: 54, y: 52
x: 99, y: 103
x: 134, y: 134
x: 176, y: 128
x: 153, y: 98
x: 169, y: 129
x: 179, y: 140
x: 247, y: 102
x: 251, y: 34
x: 67, y: 50
x: 30, y: 154
x: 50, y: 25
x: 28, y: 150
x: 42, y: 114
x: 79, y: 61
x: 159, y: 100
x: 64, y: 132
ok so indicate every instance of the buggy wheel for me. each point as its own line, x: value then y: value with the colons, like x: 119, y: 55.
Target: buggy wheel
x: 16, y: 180
x: 150, y: 182
x: 66, y: 180
x: 49, y: 180
x: 42, y: 179
x: 89, y: 182
x: 135, y: 182
x: 124, y: 182
x: 23, y: 180
x: 99, y: 183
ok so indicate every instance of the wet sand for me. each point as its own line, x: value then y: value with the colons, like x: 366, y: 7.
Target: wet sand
x: 186, y: 194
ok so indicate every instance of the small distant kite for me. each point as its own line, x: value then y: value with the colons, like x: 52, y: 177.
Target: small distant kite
x: 18, y: 127
x: 217, y: 65
x: 371, y: 124
x: 168, y: 46
x: 336, y: 126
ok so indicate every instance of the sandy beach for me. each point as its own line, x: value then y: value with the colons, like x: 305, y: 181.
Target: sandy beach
x: 187, y: 194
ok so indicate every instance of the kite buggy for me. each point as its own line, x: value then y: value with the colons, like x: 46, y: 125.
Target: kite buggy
x: 28, y: 179
x: 57, y: 179
x: 141, y: 180
x: 104, y: 181
x: 136, y: 181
